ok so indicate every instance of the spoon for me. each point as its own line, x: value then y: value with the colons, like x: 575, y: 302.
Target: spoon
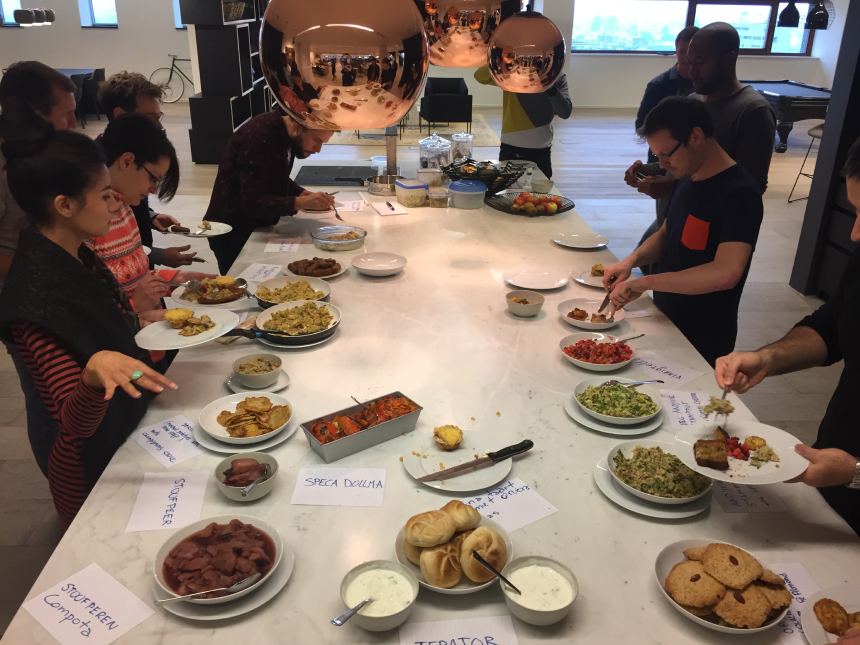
x: 236, y: 588
x: 243, y: 284
x: 349, y: 613
x: 254, y: 483
x: 613, y: 382
x: 492, y: 570
x: 627, y: 340
x: 192, y: 286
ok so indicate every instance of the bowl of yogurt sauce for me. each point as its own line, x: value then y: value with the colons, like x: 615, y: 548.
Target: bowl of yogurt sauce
x: 548, y: 589
x: 393, y: 588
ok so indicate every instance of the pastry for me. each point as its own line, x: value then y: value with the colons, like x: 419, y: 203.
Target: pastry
x: 699, y: 611
x: 177, y: 317
x: 832, y: 616
x: 413, y: 553
x: 465, y: 517
x: 730, y: 565
x: 748, y: 607
x: 441, y: 565
x: 688, y: 584
x: 695, y: 553
x: 777, y: 595
x: 458, y: 538
x: 489, y: 546
x: 430, y: 528
x: 225, y: 281
x: 711, y: 453
x: 721, y: 435
x: 771, y: 578
x: 597, y: 270
x: 578, y: 314
x: 448, y: 437
x: 754, y: 443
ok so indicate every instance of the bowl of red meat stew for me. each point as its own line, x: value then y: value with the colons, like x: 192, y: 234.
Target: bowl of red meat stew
x: 218, y: 552
x: 236, y: 472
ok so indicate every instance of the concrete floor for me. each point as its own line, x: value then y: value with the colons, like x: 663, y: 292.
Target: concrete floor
x: 591, y: 152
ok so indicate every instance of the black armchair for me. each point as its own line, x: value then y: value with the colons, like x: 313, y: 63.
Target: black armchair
x: 90, y: 103
x: 446, y: 100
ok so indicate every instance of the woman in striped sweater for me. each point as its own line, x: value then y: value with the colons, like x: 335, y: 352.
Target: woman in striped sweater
x: 64, y: 310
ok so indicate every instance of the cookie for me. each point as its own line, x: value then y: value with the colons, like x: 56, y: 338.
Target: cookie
x: 748, y: 607
x: 695, y: 553
x: 777, y: 595
x: 730, y: 565
x: 832, y: 616
x: 699, y: 611
x: 772, y: 578
x: 689, y: 585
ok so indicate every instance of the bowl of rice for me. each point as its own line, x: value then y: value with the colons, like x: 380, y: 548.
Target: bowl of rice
x: 618, y: 404
x: 277, y: 291
x: 339, y: 238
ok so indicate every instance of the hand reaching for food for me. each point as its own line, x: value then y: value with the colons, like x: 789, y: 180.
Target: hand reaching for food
x: 314, y: 201
x: 740, y: 371
x: 162, y: 222
x: 619, y: 271
x: 108, y: 370
x: 626, y: 292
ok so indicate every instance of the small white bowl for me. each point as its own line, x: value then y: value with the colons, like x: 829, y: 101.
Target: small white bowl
x: 260, y: 490
x: 535, y: 299
x: 542, y: 185
x: 537, y: 616
x: 650, y: 390
x: 379, y: 263
x: 572, y: 339
x: 380, y: 623
x: 257, y: 381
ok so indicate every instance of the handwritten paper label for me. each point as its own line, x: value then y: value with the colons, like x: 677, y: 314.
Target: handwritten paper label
x: 802, y: 586
x: 88, y: 607
x: 260, y: 272
x: 684, y: 408
x: 512, y: 504
x: 740, y: 498
x: 170, y: 441
x: 168, y: 501
x: 659, y: 367
x: 283, y: 244
x: 243, y: 315
x: 496, y: 630
x: 328, y: 486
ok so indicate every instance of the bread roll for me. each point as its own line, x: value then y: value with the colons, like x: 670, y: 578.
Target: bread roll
x: 413, y: 553
x: 441, y: 565
x: 430, y: 528
x: 458, y: 538
x: 465, y: 517
x: 489, y: 546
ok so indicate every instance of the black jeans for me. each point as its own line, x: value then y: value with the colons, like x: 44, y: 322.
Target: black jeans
x: 228, y: 247
x: 541, y: 156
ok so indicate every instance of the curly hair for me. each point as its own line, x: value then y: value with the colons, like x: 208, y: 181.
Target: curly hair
x: 121, y: 90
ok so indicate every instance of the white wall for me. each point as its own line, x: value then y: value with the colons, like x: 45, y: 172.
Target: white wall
x: 826, y: 45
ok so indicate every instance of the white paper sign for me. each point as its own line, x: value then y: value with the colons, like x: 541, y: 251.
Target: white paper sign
x: 329, y: 486
x: 168, y: 501
x: 88, y: 607
x: 383, y: 208
x: 512, y: 504
x: 243, y: 315
x: 802, y: 586
x: 635, y: 311
x: 352, y: 202
x: 282, y: 244
x: 260, y: 272
x: 684, y: 408
x: 659, y: 367
x: 740, y: 498
x: 170, y: 441
x: 496, y: 630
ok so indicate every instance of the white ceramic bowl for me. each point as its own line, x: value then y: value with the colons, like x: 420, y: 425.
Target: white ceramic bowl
x: 650, y: 390
x: 626, y: 449
x: 525, y: 311
x: 380, y: 623
x: 536, y: 616
x: 590, y: 305
x: 209, y: 414
x: 257, y: 381
x: 572, y: 339
x: 184, y: 532
x: 542, y: 185
x: 379, y: 263
x: 277, y: 283
x: 260, y: 490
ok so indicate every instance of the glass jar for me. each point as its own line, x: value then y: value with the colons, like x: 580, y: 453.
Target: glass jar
x: 461, y: 149
x: 423, y: 147
x: 439, y: 154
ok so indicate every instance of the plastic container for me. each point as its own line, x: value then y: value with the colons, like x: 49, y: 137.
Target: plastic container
x: 438, y: 197
x: 467, y: 193
x: 412, y: 193
x: 462, y: 147
x: 430, y: 176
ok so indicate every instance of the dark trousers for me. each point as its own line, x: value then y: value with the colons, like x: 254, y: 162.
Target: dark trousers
x: 228, y: 247
x: 541, y: 156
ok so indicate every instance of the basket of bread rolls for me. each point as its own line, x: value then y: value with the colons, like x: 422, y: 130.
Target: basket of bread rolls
x: 439, y: 545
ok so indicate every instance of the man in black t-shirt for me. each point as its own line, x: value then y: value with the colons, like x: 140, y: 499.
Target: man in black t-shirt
x: 705, y: 245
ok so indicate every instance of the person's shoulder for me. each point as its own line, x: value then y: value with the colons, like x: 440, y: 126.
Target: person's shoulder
x: 738, y: 183
x: 661, y: 78
x: 753, y: 100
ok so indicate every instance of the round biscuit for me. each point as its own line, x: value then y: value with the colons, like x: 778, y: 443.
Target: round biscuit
x: 730, y: 565
x: 747, y: 607
x: 689, y: 585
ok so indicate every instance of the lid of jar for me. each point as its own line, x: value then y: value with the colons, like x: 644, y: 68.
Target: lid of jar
x: 468, y: 186
x: 430, y: 140
x: 411, y: 184
x: 463, y: 136
x: 440, y: 145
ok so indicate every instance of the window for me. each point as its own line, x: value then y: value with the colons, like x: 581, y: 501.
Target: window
x: 791, y: 40
x: 751, y: 21
x: 97, y: 13
x: 177, y: 16
x: 7, y: 8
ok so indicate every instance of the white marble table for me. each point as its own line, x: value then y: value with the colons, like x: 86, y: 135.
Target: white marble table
x: 440, y: 332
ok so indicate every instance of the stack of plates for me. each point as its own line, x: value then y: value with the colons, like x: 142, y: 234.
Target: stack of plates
x: 213, y: 436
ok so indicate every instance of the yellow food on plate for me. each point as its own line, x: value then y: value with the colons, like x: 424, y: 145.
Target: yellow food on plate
x: 255, y: 416
x: 224, y: 281
x: 177, y: 317
x: 448, y: 437
x: 194, y: 326
x: 754, y: 443
x: 290, y: 292
x: 597, y: 270
x: 305, y: 319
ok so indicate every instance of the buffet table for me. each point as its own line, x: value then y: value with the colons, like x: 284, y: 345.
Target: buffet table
x: 440, y: 332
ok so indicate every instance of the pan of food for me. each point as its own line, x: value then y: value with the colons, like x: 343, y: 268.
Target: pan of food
x: 302, y: 322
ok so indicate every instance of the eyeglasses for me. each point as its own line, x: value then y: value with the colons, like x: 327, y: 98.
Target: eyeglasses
x: 157, y: 180
x: 157, y: 118
x: 670, y: 153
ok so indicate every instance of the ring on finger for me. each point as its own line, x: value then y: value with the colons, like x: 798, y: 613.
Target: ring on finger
x: 136, y: 375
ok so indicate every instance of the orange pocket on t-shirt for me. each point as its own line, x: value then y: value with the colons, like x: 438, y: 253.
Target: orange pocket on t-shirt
x: 695, y: 235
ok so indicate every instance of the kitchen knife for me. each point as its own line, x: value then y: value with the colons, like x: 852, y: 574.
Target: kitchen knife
x: 606, y: 299
x: 489, y: 458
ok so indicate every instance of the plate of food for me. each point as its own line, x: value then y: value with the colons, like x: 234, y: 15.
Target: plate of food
x: 449, y: 446
x: 324, y: 268
x: 203, y: 229
x: 289, y: 289
x: 596, y: 352
x: 535, y: 278
x: 721, y: 586
x: 593, y: 277
x: 580, y: 240
x: 242, y: 419
x: 741, y: 452
x: 183, y: 327
x: 835, y: 611
x: 618, y: 404
x: 574, y: 410
x: 303, y: 322
x: 213, y: 292
x: 338, y: 238
x: 437, y: 546
x: 582, y: 313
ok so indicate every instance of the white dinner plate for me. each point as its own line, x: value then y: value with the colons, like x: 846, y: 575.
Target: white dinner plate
x: 580, y: 240
x: 206, y: 441
x: 572, y: 407
x: 535, y: 278
x: 239, y: 388
x: 591, y: 305
x: 790, y: 464
x: 572, y: 339
x: 589, y: 280
x: 270, y: 343
x: 343, y: 269
x: 161, y: 336
x: 649, y: 390
x: 465, y: 586
x: 218, y: 432
x: 608, y: 485
x: 379, y: 263
x: 847, y: 595
x: 672, y: 555
x: 218, y: 228
x: 474, y: 443
x: 147, y: 250
x: 178, y: 292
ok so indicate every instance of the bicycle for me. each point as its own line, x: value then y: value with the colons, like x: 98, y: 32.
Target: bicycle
x: 170, y: 79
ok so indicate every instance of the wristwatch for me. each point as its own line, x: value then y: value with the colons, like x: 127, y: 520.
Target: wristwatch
x: 855, y: 483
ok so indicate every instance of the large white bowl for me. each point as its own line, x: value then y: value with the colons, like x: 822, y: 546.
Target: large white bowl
x: 184, y: 532
x: 536, y: 616
x: 572, y: 339
x: 260, y: 490
x: 277, y: 283
x: 591, y: 305
x: 379, y: 263
x: 380, y: 623
x: 208, y: 415
x: 644, y: 389
x: 257, y: 381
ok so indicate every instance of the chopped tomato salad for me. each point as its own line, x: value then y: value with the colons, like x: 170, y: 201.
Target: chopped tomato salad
x: 589, y: 351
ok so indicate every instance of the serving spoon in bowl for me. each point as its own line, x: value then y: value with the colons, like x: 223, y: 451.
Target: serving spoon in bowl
x: 236, y: 588
x: 349, y: 613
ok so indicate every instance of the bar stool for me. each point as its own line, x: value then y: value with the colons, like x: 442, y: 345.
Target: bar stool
x: 815, y: 133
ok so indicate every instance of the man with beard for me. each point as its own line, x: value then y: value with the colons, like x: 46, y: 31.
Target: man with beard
x: 253, y: 187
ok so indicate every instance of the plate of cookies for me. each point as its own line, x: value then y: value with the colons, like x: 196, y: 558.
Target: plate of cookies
x: 721, y: 586
x: 244, y: 419
x: 438, y: 545
x: 835, y: 612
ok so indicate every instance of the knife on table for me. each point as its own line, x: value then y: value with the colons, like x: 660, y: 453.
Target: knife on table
x: 489, y: 458
x: 606, y: 299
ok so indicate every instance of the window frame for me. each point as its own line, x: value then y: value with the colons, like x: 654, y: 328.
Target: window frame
x: 691, y: 16
x: 88, y: 19
x: 3, y: 15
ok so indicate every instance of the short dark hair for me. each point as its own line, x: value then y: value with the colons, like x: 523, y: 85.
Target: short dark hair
x: 148, y: 143
x: 43, y: 163
x: 679, y: 115
x: 724, y: 38
x: 121, y: 90
x: 852, y: 164
x: 34, y: 82
x: 685, y: 35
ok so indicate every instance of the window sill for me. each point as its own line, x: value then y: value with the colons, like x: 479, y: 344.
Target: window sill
x: 99, y: 26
